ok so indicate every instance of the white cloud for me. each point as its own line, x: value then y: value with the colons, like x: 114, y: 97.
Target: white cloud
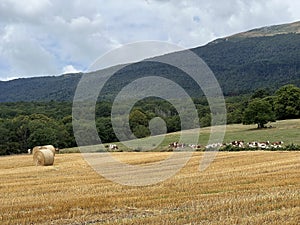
x: 30, y: 11
x: 70, y: 69
x: 39, y: 37
x: 23, y: 53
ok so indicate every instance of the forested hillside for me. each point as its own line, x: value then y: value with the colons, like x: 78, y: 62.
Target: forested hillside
x: 244, y: 65
x: 267, y: 57
x: 58, y: 88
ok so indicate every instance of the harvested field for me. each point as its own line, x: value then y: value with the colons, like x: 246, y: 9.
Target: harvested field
x: 256, y: 187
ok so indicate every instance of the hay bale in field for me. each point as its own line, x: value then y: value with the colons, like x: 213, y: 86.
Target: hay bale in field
x: 43, y: 157
x: 38, y: 148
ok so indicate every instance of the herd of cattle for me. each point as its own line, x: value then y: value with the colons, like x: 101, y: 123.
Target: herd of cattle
x: 180, y: 146
x: 255, y: 145
x: 233, y: 144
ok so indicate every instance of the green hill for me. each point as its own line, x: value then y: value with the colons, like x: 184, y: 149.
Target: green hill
x: 267, y: 57
x: 244, y: 65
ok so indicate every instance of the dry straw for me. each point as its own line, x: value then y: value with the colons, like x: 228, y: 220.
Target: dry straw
x: 43, y: 157
x: 35, y: 149
x: 50, y: 147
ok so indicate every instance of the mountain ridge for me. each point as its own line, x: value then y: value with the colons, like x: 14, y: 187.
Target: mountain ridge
x: 241, y: 63
x: 267, y: 31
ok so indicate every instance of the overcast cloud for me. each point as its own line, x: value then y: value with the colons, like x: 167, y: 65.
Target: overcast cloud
x: 51, y: 37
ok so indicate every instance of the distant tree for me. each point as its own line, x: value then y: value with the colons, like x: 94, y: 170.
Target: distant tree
x: 205, y: 121
x: 141, y: 131
x: 287, y: 102
x: 44, y: 130
x: 43, y: 136
x: 67, y: 122
x: 4, y: 137
x: 137, y: 117
x: 138, y: 121
x: 259, y: 111
x: 105, y: 130
x: 173, y: 123
x: 20, y: 130
x: 261, y: 93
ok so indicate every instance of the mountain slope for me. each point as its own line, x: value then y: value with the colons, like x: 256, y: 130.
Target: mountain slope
x: 59, y: 88
x: 244, y: 65
x: 267, y: 57
x: 268, y: 31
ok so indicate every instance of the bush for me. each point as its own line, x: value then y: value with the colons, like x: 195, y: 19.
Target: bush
x: 292, y: 147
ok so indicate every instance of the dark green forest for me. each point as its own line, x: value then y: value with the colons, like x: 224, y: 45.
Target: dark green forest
x: 24, y: 125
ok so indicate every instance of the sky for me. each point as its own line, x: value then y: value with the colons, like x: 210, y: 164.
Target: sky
x: 53, y: 37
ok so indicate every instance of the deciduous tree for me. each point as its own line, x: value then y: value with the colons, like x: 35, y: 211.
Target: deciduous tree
x: 287, y: 102
x: 259, y: 111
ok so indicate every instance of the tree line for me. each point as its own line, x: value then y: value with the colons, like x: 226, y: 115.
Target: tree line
x: 24, y: 125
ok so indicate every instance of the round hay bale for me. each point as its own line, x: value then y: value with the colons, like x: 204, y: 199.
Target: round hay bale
x: 35, y: 149
x: 43, y: 157
x: 51, y: 147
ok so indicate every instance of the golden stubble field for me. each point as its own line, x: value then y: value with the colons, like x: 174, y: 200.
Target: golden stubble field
x: 238, y: 188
